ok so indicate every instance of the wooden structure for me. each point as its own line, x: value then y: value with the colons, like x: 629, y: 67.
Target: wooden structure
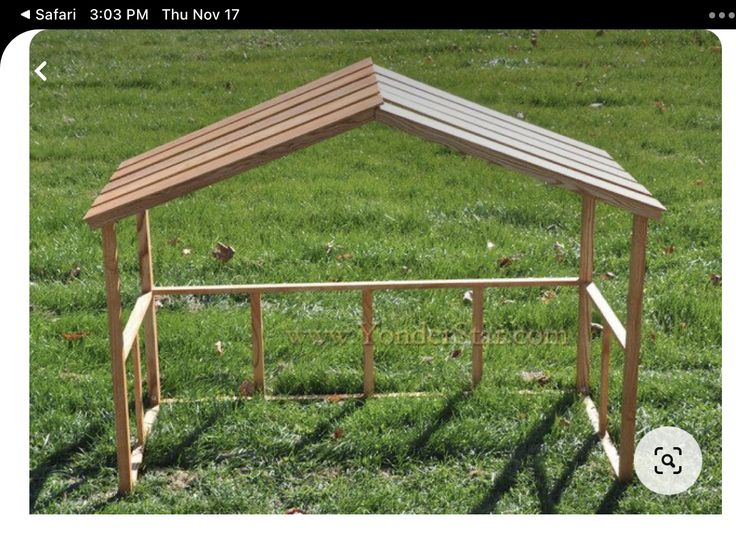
x: 338, y: 102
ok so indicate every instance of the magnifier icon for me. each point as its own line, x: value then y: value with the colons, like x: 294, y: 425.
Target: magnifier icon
x: 667, y: 460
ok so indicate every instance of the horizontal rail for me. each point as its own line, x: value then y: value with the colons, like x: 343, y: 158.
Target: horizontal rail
x: 134, y: 322
x: 369, y: 285
x: 619, y: 331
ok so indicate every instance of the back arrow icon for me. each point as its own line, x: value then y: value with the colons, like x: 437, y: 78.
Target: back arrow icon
x: 38, y: 70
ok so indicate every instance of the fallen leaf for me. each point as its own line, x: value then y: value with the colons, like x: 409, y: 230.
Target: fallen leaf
x: 505, y: 261
x: 490, y: 245
x: 596, y: 329
x: 596, y: 105
x: 405, y: 269
x: 608, y: 275
x: 74, y: 335
x: 563, y: 422
x: 475, y: 472
x: 338, y: 433
x: 219, y: 348
x: 669, y: 250
x: 186, y: 251
x: 223, y: 252
x: 161, y: 301
x: 456, y: 353
x: 520, y: 115
x: 335, y: 398
x: 173, y: 241
x: 548, y: 296
x: 683, y: 325
x: 246, y: 388
x: 76, y: 272
x: 716, y: 49
x: 181, y: 479
x: 508, y: 302
x: 660, y: 106
x: 715, y: 279
x: 427, y: 359
x: 699, y: 183
x: 468, y: 297
x: 68, y: 120
x: 294, y: 511
x: 653, y: 336
x: 344, y: 257
x: 540, y: 377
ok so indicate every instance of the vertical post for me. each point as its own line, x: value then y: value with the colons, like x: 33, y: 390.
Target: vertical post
x: 115, y: 331
x: 150, y: 330
x: 584, y: 307
x: 603, y: 386
x: 256, y: 320
x: 637, y: 267
x: 477, y: 336
x: 138, y: 392
x: 369, y: 380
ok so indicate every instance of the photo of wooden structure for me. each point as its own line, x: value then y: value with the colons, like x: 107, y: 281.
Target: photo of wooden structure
x: 346, y: 99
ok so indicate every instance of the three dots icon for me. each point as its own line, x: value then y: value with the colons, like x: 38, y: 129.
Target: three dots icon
x: 721, y: 15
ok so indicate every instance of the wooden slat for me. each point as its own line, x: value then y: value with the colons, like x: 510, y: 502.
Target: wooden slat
x: 393, y: 91
x: 586, y: 276
x: 263, y: 152
x: 251, y: 111
x: 370, y: 285
x: 136, y: 458
x: 609, y: 316
x: 466, y: 123
x: 369, y: 380
x: 150, y: 329
x: 138, y: 391
x: 134, y: 322
x: 500, y: 154
x: 637, y: 266
x: 507, y: 118
x: 241, y: 133
x: 608, y: 447
x: 119, y: 383
x: 603, y: 385
x: 477, y: 336
x: 256, y: 319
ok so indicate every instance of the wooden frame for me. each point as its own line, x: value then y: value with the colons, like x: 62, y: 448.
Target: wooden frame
x: 338, y: 102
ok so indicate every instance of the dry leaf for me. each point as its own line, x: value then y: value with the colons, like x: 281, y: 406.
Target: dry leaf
x: 683, y: 325
x: 75, y: 273
x: 186, y: 251
x: 490, y: 245
x: 505, y: 262
x: 338, y: 433
x: 653, y: 336
x: 608, y: 275
x: 475, y: 472
x: 335, y: 398
x: 456, y: 353
x: 596, y: 105
x: 223, y: 252
x: 715, y: 279
x: 347, y: 256
x: 699, y: 183
x: 540, y: 377
x: 427, y: 359
x: 508, y: 302
x: 246, y: 388
x: 668, y: 250
x: 74, y: 335
x: 519, y: 115
x: 219, y: 348
x: 294, y: 511
x: 660, y: 106
x: 548, y: 296
x: 468, y: 297
x: 596, y: 329
x: 563, y: 422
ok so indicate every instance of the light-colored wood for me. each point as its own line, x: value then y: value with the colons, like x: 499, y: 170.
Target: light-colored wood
x: 256, y: 320
x: 119, y: 384
x: 637, y: 266
x: 134, y: 321
x: 150, y: 328
x: 608, y: 447
x: 477, y: 336
x: 370, y: 285
x: 271, y: 103
x: 136, y: 458
x: 369, y: 378
x: 105, y: 210
x: 493, y: 134
x: 603, y: 385
x: 587, y: 229
x: 503, y: 155
x: 299, y: 397
x: 609, y: 316
x: 138, y: 391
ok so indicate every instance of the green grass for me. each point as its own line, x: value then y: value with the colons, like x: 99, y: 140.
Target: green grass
x: 403, y: 208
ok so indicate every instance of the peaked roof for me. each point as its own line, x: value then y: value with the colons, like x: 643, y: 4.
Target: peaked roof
x: 345, y: 99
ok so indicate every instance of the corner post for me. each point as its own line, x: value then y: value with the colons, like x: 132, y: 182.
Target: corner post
x: 635, y: 301
x: 150, y: 329
x: 584, y: 308
x: 256, y: 320
x: 369, y: 379
x: 115, y: 330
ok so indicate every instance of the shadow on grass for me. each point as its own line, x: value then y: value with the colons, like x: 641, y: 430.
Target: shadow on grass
x: 60, y: 459
x: 529, y: 449
x: 610, y: 501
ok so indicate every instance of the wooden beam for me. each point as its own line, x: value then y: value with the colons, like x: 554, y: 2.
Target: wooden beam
x: 609, y: 316
x: 136, y: 457
x: 150, y: 329
x: 370, y: 285
x: 138, y: 392
x: 635, y: 302
x: 256, y: 319
x: 584, y: 309
x: 130, y: 333
x: 369, y: 379
x: 477, y: 336
x: 603, y: 386
x: 608, y: 447
x: 115, y: 331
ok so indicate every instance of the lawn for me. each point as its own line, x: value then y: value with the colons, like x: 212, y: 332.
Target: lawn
x: 374, y: 203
